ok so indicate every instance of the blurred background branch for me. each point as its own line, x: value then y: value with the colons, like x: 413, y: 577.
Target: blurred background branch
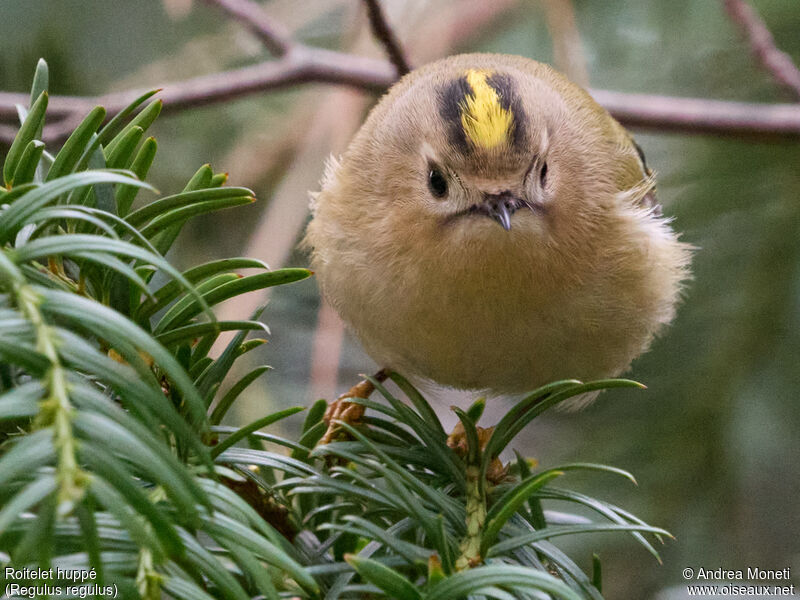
x: 298, y: 63
x: 762, y: 44
x: 275, y: 37
x: 568, y: 53
x: 384, y: 33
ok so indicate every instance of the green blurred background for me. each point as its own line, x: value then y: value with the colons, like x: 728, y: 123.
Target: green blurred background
x: 713, y: 441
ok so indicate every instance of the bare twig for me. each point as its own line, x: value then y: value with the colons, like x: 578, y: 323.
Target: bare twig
x: 567, y: 48
x: 696, y: 115
x: 273, y: 35
x: 303, y: 64
x: 777, y: 62
x: 297, y: 63
x: 658, y: 113
x: 8, y: 133
x: 384, y: 33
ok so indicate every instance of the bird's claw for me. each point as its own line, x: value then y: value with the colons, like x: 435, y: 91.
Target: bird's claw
x: 342, y: 410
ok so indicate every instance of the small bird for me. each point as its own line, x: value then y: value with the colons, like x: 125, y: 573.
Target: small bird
x: 491, y: 227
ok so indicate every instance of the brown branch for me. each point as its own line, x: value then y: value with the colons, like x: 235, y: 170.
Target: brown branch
x: 273, y: 35
x: 567, y: 48
x: 384, y: 33
x: 660, y: 113
x: 698, y: 115
x: 7, y: 134
x: 297, y: 64
x: 64, y: 106
x: 303, y: 64
x: 762, y: 44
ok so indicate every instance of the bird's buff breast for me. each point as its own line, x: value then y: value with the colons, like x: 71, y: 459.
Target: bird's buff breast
x: 487, y: 311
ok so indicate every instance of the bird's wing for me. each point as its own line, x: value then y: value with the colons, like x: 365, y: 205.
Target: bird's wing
x: 649, y: 199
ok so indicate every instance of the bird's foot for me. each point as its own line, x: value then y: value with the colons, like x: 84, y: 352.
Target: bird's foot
x: 342, y: 410
x: 457, y: 442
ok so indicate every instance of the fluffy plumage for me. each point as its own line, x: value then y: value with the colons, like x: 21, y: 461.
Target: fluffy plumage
x: 588, y: 273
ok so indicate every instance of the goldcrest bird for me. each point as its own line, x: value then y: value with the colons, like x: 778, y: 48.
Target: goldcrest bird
x: 491, y: 227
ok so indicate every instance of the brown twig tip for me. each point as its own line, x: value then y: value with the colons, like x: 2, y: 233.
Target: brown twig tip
x: 384, y: 33
x: 762, y: 44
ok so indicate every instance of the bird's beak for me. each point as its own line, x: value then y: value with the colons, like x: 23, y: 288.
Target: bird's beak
x: 500, y: 207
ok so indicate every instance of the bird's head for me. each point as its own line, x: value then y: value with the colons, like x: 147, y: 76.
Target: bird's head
x: 473, y: 146
x: 494, y: 155
x: 488, y: 155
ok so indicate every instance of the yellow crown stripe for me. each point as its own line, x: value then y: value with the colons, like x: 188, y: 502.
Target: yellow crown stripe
x: 486, y: 123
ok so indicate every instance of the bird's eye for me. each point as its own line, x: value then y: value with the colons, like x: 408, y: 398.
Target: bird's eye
x: 437, y: 183
x: 543, y: 174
